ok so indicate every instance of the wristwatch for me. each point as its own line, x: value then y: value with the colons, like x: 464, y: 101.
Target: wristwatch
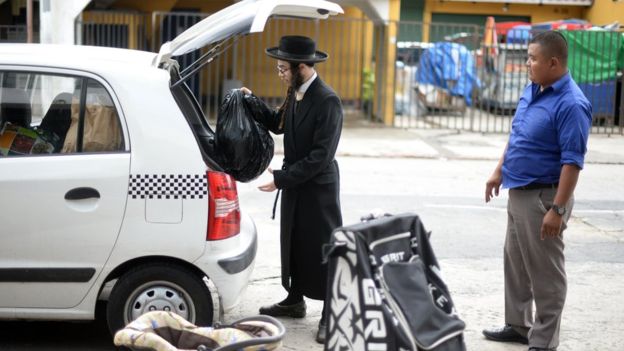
x: 560, y: 210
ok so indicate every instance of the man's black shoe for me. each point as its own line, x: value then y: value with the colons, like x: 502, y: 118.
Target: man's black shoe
x: 533, y: 348
x: 505, y: 334
x: 322, y: 332
x: 297, y: 310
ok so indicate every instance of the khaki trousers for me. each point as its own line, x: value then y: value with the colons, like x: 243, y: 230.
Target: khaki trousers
x: 534, y: 268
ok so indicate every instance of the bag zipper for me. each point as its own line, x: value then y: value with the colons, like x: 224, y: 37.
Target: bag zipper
x: 397, y: 311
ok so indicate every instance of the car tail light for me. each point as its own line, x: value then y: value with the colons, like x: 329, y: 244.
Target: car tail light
x: 224, y: 211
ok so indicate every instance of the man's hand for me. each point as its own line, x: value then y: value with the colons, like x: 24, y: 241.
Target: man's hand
x: 245, y: 91
x: 493, y: 184
x: 551, y: 225
x: 268, y: 187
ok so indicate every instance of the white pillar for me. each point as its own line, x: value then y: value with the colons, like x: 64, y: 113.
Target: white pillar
x: 382, y: 8
x: 57, y: 20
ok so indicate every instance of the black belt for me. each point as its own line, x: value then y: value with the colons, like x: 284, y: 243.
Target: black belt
x: 275, y: 203
x: 533, y: 186
x: 284, y: 167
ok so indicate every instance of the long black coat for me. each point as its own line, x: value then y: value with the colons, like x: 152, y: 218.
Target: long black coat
x: 310, y: 185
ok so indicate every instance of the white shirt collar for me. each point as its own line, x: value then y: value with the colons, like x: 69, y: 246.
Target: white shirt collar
x: 304, y: 87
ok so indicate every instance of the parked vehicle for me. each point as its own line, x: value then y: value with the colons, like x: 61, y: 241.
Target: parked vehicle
x: 504, y: 79
x: 110, y: 188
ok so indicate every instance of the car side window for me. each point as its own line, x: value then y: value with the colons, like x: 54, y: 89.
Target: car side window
x: 101, y: 130
x: 48, y: 114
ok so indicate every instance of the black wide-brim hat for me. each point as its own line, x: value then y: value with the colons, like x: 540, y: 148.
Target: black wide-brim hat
x: 295, y: 48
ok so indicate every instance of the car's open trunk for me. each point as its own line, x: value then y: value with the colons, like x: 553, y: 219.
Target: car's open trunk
x: 216, y: 33
x: 192, y: 111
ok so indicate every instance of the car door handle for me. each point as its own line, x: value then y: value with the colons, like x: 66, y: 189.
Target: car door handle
x: 82, y: 193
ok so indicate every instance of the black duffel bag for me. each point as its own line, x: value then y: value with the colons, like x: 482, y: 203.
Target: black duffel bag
x: 385, y: 291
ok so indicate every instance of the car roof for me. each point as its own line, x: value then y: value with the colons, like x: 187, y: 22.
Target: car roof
x: 73, y: 56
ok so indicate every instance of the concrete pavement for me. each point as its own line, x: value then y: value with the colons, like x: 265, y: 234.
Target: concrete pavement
x: 449, y: 144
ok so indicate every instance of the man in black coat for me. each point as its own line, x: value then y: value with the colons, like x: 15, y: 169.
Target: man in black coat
x: 311, y: 121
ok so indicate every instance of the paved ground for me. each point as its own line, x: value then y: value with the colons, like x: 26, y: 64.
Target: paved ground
x: 440, y: 175
x: 452, y: 145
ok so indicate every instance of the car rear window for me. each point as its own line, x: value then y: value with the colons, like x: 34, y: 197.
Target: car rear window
x: 42, y: 114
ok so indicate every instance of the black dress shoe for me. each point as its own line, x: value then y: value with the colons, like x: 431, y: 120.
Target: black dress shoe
x: 505, y: 334
x: 322, y: 332
x: 533, y: 348
x: 297, y: 310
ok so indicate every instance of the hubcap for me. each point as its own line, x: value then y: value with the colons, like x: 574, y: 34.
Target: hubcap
x: 159, y: 296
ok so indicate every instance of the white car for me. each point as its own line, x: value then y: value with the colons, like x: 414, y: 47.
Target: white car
x: 109, y: 188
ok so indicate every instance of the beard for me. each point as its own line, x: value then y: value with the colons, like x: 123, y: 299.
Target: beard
x: 297, y: 78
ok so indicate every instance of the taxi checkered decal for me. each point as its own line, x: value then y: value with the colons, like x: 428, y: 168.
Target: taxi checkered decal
x: 168, y: 186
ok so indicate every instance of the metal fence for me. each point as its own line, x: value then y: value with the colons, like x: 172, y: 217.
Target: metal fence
x: 468, y: 86
x: 13, y: 34
x: 113, y: 29
x: 476, y: 87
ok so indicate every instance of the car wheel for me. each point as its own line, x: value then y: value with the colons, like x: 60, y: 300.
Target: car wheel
x: 159, y: 287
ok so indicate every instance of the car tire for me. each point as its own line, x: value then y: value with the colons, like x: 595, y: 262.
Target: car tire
x: 163, y: 287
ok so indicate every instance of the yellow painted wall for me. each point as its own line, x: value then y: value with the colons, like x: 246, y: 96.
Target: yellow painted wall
x: 148, y: 7
x: 605, y: 11
x: 205, y: 6
x: 144, y: 6
x: 132, y: 20
x: 537, y: 13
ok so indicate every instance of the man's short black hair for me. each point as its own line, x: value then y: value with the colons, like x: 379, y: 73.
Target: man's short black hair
x: 552, y: 44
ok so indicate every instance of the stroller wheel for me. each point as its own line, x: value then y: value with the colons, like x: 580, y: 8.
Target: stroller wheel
x: 159, y: 287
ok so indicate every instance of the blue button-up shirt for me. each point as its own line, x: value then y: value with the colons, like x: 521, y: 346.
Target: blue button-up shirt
x: 550, y: 129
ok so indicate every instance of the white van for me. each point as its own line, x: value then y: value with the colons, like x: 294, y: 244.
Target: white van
x: 108, y: 180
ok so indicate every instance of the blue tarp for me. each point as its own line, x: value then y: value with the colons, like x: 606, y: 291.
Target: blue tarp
x: 449, y: 66
x: 601, y: 96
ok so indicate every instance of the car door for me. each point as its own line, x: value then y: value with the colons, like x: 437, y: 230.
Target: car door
x: 64, y: 183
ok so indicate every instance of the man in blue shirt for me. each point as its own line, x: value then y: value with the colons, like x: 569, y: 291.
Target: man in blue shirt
x: 540, y: 167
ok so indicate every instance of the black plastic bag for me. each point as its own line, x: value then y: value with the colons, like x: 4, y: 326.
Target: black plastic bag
x: 244, y: 146
x: 261, y: 112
